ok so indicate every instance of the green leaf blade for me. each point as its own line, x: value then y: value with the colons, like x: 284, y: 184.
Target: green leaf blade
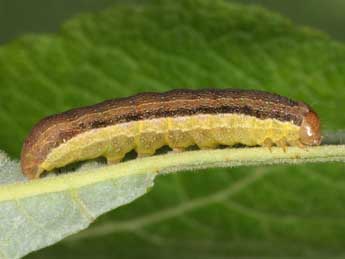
x: 41, y: 212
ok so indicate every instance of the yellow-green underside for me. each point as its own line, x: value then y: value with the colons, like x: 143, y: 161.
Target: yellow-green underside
x: 146, y: 136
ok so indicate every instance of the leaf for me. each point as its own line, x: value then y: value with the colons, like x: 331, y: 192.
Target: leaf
x: 291, y: 211
x: 41, y: 212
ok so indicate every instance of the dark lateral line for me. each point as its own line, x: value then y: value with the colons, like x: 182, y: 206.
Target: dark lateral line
x: 161, y: 113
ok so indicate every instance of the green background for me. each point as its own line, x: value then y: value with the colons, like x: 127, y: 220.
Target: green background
x: 18, y: 17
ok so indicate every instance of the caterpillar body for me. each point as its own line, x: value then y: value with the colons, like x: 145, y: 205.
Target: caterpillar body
x: 178, y: 118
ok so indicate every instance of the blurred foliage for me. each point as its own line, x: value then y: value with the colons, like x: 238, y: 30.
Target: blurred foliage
x: 18, y: 17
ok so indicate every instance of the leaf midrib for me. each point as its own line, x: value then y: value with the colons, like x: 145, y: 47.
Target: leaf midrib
x: 173, y: 162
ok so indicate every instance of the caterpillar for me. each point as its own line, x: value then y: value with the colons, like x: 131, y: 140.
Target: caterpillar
x: 179, y: 118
